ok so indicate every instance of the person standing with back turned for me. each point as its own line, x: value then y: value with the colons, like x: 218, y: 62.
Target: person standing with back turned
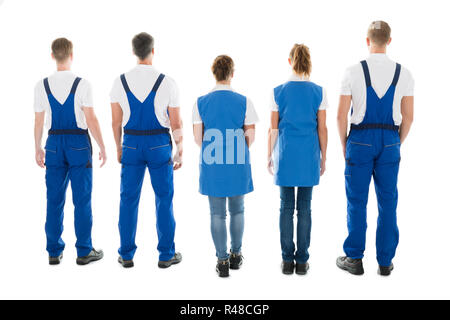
x: 67, y: 102
x: 381, y: 94
x: 224, y: 128
x: 298, y: 139
x: 145, y: 103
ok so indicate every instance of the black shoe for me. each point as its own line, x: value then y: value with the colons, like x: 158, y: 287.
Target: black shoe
x: 93, y: 256
x: 287, y: 267
x: 301, y: 269
x: 236, y: 260
x: 53, y: 261
x: 223, y: 268
x: 126, y: 263
x: 175, y: 260
x: 353, y: 266
x: 385, y: 271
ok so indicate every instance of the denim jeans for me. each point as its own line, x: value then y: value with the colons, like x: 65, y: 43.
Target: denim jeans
x: 287, y: 208
x: 219, y: 224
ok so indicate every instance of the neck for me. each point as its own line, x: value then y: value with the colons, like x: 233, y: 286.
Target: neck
x: 301, y: 75
x: 375, y: 49
x: 147, y: 62
x: 224, y: 82
x: 64, y: 66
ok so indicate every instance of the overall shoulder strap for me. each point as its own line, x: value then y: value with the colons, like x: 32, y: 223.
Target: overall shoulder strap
x: 398, y: 69
x: 366, y: 73
x: 124, y: 83
x: 158, y: 82
x: 47, y: 87
x: 75, y: 85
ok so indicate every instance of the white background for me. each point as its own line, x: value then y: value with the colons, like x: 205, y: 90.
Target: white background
x: 258, y: 36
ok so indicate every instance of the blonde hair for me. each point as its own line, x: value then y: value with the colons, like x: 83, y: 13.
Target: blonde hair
x: 301, y: 59
x: 62, y: 48
x: 379, y: 33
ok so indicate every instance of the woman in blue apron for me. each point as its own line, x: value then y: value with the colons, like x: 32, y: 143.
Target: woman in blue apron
x: 297, y: 154
x: 224, y: 124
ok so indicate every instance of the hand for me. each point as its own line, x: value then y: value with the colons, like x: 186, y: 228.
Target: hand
x: 178, y: 159
x: 40, y: 157
x: 322, y: 166
x: 270, y: 165
x: 102, y: 157
x: 119, y: 154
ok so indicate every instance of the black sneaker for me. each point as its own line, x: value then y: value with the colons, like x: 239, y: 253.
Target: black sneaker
x: 236, y: 260
x: 126, y: 263
x: 353, y: 266
x: 93, y: 256
x: 223, y: 268
x: 175, y: 260
x: 53, y: 261
x: 385, y: 271
x: 301, y: 269
x: 287, y: 267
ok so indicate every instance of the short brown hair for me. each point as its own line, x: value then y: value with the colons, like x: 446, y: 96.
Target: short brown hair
x: 142, y: 45
x: 379, y: 33
x: 301, y: 59
x: 62, y: 49
x: 223, y: 68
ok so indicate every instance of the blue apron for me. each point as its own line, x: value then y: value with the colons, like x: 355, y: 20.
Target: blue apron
x: 297, y: 151
x: 68, y: 157
x: 225, y: 169
x: 146, y: 145
x: 373, y: 150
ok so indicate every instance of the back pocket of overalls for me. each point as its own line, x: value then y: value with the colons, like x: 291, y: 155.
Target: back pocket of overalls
x: 161, y: 154
x: 79, y: 154
x: 50, y: 155
x: 129, y: 153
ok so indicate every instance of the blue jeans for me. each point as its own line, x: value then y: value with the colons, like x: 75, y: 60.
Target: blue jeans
x: 287, y: 195
x: 219, y: 224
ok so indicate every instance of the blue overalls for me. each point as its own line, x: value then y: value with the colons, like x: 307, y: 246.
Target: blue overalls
x: 225, y: 169
x: 146, y: 144
x: 68, y: 157
x: 297, y: 152
x: 373, y: 149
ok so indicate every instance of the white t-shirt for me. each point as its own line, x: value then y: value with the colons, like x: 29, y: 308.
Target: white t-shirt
x: 140, y: 80
x: 250, y: 116
x: 60, y: 84
x: 294, y: 77
x: 382, y: 70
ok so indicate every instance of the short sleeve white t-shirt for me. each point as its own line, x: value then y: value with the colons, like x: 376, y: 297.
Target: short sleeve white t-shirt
x: 274, y: 105
x: 251, y: 117
x: 60, y: 84
x: 140, y: 80
x: 382, y: 70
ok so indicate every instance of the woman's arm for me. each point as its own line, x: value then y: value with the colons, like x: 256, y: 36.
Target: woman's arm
x: 249, y: 131
x: 323, y: 138
x: 273, y: 136
x: 198, y: 133
x: 94, y: 127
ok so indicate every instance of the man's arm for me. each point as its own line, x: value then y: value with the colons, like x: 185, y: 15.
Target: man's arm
x: 94, y: 127
x: 176, y: 124
x: 342, y: 119
x: 272, y: 140
x: 323, y: 138
x: 38, y: 132
x: 117, y: 118
x: 407, y: 110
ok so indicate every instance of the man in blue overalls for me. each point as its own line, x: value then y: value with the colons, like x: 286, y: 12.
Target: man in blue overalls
x: 145, y: 103
x: 381, y: 94
x: 67, y: 102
